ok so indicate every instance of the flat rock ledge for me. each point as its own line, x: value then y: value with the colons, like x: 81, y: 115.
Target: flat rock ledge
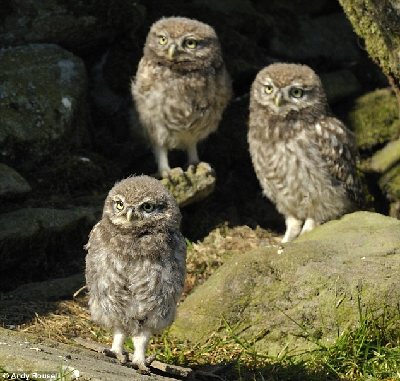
x: 23, y: 353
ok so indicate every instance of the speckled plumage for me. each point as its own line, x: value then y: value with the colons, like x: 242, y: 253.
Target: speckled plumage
x: 135, y: 265
x: 304, y: 158
x: 180, y: 93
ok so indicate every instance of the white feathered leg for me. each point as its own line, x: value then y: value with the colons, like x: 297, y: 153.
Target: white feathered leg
x: 293, y: 228
x: 309, y: 225
x: 140, y: 343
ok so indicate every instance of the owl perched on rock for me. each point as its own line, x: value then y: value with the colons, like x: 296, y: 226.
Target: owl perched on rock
x: 304, y: 158
x: 135, y: 265
x: 181, y: 87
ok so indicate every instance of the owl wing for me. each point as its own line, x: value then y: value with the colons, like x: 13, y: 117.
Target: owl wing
x: 338, y: 146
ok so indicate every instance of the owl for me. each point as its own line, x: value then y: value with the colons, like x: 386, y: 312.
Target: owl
x: 181, y: 87
x: 304, y: 157
x: 135, y: 263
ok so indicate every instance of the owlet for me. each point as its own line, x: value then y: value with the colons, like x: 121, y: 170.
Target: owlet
x: 181, y: 87
x: 135, y: 263
x: 304, y: 158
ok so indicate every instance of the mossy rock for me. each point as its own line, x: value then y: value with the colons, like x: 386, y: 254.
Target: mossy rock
x: 42, y: 103
x: 384, y: 159
x: 42, y: 243
x: 191, y: 186
x: 309, y: 290
x: 378, y: 23
x: 390, y: 183
x: 375, y: 119
x: 79, y: 26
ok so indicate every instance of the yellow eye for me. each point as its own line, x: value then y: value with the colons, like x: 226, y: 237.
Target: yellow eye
x: 190, y: 43
x: 269, y: 89
x: 119, y: 205
x: 295, y: 92
x: 147, y: 207
x: 162, y: 40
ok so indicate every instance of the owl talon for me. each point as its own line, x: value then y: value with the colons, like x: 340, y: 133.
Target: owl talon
x: 205, y: 167
x: 140, y: 367
x: 121, y: 357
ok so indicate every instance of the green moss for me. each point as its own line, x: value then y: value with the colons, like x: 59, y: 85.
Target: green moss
x: 378, y: 23
x: 375, y: 119
x: 386, y: 157
x: 307, y: 292
x: 191, y: 186
x: 390, y: 183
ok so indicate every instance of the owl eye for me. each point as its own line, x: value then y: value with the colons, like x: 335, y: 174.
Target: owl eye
x: 119, y: 205
x: 269, y: 89
x: 148, y: 207
x: 190, y: 43
x: 295, y: 92
x: 162, y: 40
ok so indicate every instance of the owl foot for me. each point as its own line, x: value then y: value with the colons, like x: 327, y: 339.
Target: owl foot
x: 142, y: 367
x: 200, y: 167
x: 121, y: 357
x: 173, y: 175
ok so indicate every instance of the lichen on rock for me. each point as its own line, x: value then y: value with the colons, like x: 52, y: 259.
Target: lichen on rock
x: 191, y: 186
x: 311, y: 288
x: 375, y: 119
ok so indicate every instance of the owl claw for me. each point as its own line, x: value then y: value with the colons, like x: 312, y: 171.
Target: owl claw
x: 121, y: 357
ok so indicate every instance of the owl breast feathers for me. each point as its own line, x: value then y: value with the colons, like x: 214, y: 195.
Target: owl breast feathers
x: 181, y: 87
x: 304, y: 158
x: 135, y: 265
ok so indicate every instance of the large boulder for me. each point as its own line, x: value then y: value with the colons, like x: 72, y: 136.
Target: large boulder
x: 12, y: 184
x: 42, y: 243
x: 311, y: 289
x: 42, y: 102
x: 79, y: 26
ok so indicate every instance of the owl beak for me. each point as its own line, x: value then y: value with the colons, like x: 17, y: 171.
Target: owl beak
x: 129, y: 213
x: 171, y: 51
x: 278, y: 99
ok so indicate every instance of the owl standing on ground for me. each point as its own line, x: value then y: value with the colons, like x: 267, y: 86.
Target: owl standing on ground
x: 304, y: 158
x: 181, y: 87
x: 135, y: 265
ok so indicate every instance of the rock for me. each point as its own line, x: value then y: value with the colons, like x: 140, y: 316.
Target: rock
x: 390, y: 186
x: 21, y: 352
x: 386, y: 157
x: 316, y: 38
x: 340, y: 85
x: 375, y: 119
x: 42, y: 102
x: 77, y: 26
x: 56, y: 289
x: 311, y: 291
x: 190, y: 186
x: 12, y: 183
x: 41, y: 243
x: 378, y: 25
x: 386, y: 163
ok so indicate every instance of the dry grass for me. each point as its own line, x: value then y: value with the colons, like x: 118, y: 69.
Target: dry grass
x: 64, y: 320
x: 229, y: 356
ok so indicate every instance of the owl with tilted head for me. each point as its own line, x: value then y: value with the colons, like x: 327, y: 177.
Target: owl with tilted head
x: 304, y: 157
x: 181, y: 87
x: 135, y: 264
